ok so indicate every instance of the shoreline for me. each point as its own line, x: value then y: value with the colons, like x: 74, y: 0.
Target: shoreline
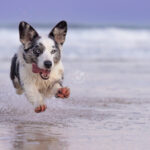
x: 108, y: 104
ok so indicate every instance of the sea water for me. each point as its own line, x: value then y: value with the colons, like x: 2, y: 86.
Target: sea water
x: 95, y: 43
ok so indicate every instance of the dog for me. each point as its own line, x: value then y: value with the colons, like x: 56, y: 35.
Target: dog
x: 36, y: 69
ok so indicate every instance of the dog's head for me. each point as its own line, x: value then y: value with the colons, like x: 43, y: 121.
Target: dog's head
x: 42, y: 52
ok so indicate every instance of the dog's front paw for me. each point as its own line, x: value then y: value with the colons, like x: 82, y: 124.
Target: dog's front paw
x: 40, y: 108
x: 63, y: 92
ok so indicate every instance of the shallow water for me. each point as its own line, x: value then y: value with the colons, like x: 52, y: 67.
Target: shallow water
x: 109, y: 109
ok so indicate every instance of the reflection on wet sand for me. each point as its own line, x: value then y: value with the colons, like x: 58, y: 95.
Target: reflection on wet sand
x: 29, y: 137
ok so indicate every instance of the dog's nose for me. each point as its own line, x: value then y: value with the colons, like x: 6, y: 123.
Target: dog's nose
x: 47, y: 64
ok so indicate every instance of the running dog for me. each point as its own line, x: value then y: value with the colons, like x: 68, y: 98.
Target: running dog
x: 36, y: 69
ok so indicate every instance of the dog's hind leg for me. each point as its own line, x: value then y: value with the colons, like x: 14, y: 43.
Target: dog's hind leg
x: 19, y: 91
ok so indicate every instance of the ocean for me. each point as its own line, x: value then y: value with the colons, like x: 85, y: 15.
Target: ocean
x: 90, y: 43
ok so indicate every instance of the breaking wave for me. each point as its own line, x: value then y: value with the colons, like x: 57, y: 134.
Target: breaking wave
x: 90, y: 43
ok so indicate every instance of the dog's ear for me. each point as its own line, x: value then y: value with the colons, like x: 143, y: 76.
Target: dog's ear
x: 27, y: 34
x: 59, y: 32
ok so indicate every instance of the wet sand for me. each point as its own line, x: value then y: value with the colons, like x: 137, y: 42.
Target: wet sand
x: 109, y: 109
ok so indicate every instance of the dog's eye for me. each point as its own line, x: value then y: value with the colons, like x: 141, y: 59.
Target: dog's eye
x: 36, y: 51
x: 53, y: 51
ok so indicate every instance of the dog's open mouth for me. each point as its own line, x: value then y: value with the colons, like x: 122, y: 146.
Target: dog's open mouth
x: 44, y: 76
x: 44, y: 73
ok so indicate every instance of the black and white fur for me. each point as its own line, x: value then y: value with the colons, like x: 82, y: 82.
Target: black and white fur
x: 38, y: 49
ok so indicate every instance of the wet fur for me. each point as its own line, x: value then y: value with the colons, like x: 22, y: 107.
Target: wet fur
x: 37, y: 49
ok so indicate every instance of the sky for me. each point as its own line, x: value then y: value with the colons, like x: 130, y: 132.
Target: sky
x: 76, y: 11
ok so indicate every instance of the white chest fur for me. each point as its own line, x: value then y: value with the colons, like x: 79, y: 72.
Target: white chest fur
x: 27, y: 77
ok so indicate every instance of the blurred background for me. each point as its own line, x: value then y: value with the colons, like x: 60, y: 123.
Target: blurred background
x: 107, y: 67
x: 98, y: 29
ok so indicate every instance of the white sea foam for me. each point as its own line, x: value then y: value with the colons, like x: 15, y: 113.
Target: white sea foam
x: 98, y: 43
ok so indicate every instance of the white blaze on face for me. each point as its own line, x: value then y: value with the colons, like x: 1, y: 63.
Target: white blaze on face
x: 46, y: 55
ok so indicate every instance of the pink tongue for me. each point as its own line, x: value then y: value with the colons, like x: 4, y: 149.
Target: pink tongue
x: 36, y: 69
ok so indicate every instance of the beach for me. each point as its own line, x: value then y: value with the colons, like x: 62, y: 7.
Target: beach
x: 109, y: 105
x: 109, y: 108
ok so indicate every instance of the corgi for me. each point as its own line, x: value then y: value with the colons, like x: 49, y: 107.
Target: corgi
x: 36, y: 69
